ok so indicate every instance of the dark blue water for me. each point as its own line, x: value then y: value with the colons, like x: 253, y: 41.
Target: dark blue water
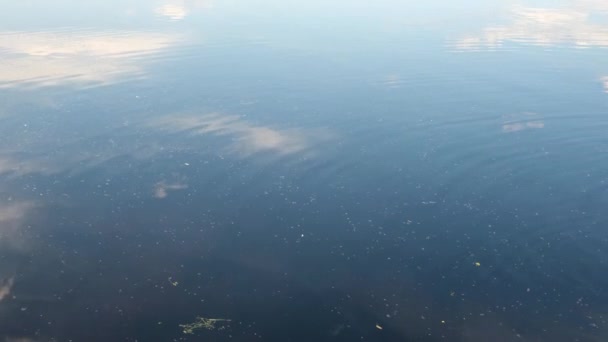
x: 303, y: 170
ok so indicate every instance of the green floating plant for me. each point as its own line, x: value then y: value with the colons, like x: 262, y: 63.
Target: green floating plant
x: 203, y: 323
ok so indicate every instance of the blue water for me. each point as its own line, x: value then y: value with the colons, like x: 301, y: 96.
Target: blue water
x: 303, y: 170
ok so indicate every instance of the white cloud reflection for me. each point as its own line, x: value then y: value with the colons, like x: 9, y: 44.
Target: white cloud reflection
x: 162, y: 189
x: 6, y: 285
x: 522, y: 121
x: 9, y: 165
x: 173, y: 12
x: 247, y: 138
x: 545, y: 27
x: 46, y: 156
x: 53, y: 58
x: 11, y: 219
x: 179, y: 9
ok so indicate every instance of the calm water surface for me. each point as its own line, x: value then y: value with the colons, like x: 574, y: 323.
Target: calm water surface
x: 304, y: 170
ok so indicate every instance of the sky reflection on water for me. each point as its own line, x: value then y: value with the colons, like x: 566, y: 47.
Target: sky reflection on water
x: 310, y: 171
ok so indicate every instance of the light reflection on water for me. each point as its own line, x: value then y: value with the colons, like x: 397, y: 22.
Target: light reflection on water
x: 54, y: 58
x: 180, y: 9
x: 310, y: 171
x: 247, y: 139
x: 546, y: 26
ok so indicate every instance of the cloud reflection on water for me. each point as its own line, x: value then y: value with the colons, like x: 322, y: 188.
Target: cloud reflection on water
x: 45, y: 156
x: 162, y: 189
x: 13, y: 166
x: 176, y: 10
x: 247, y: 138
x: 54, y: 58
x: 522, y: 121
x: 544, y: 27
x: 12, y: 216
x: 173, y: 12
x: 6, y: 285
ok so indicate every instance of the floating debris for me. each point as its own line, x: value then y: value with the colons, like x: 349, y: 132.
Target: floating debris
x: 379, y: 327
x: 203, y: 323
x: 174, y: 283
x: 477, y: 263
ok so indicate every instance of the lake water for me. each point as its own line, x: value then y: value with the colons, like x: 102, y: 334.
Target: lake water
x: 303, y: 170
